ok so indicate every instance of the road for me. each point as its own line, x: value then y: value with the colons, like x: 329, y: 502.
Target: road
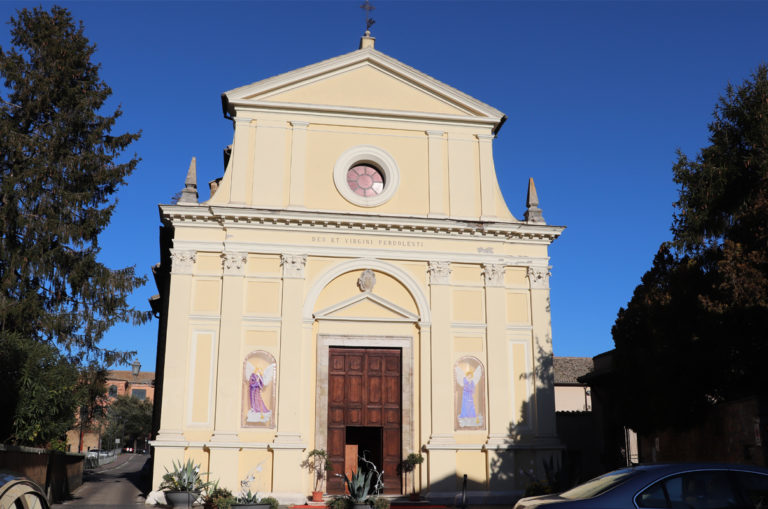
x: 114, y: 486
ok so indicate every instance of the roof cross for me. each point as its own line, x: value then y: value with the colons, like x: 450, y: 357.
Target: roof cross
x: 369, y: 21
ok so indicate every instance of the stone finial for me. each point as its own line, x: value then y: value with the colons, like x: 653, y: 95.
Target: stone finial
x: 533, y: 212
x: 367, y: 41
x: 189, y: 193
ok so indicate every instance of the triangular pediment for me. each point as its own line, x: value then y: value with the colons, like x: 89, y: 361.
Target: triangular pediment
x: 365, y: 80
x: 368, y: 307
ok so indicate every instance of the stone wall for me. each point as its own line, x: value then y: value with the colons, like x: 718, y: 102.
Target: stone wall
x: 56, y: 473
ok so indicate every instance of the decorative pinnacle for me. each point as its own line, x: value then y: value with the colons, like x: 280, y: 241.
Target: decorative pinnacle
x: 533, y: 212
x: 189, y: 193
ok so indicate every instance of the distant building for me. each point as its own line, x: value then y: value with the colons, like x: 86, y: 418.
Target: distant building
x: 119, y: 383
x: 570, y: 394
x: 141, y: 387
x: 576, y: 422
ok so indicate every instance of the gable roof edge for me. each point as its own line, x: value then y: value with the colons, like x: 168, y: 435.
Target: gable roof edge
x: 442, y: 90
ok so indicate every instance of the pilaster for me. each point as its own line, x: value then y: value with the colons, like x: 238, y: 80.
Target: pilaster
x: 538, y: 277
x: 437, y: 181
x: 298, y: 164
x: 224, y: 442
x: 499, y: 397
x: 441, y: 445
x: 289, y: 441
x: 170, y: 442
x: 177, y: 341
x: 241, y: 162
x: 498, y: 357
x: 270, y: 164
x: 488, y: 183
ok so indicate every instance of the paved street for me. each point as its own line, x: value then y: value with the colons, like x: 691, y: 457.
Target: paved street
x: 116, y: 485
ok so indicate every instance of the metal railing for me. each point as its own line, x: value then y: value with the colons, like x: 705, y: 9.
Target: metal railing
x: 98, y: 458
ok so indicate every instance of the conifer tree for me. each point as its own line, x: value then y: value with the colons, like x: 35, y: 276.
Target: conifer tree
x: 60, y: 166
x: 696, y: 330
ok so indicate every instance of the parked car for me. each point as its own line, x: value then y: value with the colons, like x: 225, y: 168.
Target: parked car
x: 680, y: 486
x: 94, y: 453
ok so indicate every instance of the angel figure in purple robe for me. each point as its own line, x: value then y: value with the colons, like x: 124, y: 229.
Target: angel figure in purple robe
x: 258, y: 380
x: 468, y: 381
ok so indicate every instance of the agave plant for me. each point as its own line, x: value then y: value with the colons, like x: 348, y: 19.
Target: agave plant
x: 359, y: 486
x: 248, y: 498
x: 183, y: 477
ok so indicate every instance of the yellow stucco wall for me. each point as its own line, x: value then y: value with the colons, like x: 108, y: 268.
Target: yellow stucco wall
x: 268, y: 268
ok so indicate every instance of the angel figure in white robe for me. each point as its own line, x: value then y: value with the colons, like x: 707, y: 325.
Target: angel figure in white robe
x: 257, y: 381
x: 468, y: 381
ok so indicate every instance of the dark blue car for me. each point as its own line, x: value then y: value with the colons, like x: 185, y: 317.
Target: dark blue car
x: 673, y: 486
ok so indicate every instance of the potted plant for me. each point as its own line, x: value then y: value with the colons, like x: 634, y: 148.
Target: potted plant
x: 253, y: 501
x: 216, y: 497
x: 359, y: 489
x: 360, y: 493
x: 409, y: 465
x: 183, y: 484
x: 317, y: 462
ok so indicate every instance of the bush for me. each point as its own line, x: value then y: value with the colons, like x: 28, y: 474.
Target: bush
x: 339, y: 503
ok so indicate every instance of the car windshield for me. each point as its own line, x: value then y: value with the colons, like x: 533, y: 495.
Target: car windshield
x: 598, y: 485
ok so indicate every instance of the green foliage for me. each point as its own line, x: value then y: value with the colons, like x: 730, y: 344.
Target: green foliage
x: 693, y: 333
x: 60, y: 166
x: 58, y: 445
x: 410, y: 462
x: 39, y: 392
x: 379, y: 502
x: 359, y: 486
x: 273, y: 502
x: 129, y: 419
x: 216, y: 497
x: 339, y: 503
x: 248, y: 498
x: 183, y: 477
x: 317, y: 462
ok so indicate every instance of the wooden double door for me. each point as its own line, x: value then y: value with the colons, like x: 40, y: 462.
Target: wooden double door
x: 364, y: 412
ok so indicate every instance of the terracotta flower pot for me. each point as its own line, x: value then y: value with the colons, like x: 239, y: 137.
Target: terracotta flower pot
x: 317, y: 496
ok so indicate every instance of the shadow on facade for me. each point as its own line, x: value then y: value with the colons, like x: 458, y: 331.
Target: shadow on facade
x: 530, y: 456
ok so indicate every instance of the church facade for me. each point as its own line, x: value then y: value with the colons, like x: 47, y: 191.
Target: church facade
x: 356, y: 283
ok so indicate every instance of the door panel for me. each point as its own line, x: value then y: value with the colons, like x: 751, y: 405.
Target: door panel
x: 364, y: 386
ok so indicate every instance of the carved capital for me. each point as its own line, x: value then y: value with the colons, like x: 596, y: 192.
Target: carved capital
x: 234, y: 263
x: 539, y: 277
x: 182, y: 261
x: 293, y: 265
x: 439, y: 273
x: 494, y: 274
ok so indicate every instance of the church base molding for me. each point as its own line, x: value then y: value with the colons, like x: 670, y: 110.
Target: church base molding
x: 289, y: 497
x: 168, y: 443
x: 288, y: 441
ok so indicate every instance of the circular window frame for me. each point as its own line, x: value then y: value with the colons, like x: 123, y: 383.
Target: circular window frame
x: 366, y: 154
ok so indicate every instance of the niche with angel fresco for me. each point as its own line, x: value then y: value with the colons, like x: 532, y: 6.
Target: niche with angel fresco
x: 469, y: 394
x: 259, y: 390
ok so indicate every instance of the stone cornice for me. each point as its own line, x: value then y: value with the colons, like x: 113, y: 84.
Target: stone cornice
x: 332, y: 222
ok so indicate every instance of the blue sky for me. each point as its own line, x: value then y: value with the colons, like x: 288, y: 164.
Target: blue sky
x: 599, y: 96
